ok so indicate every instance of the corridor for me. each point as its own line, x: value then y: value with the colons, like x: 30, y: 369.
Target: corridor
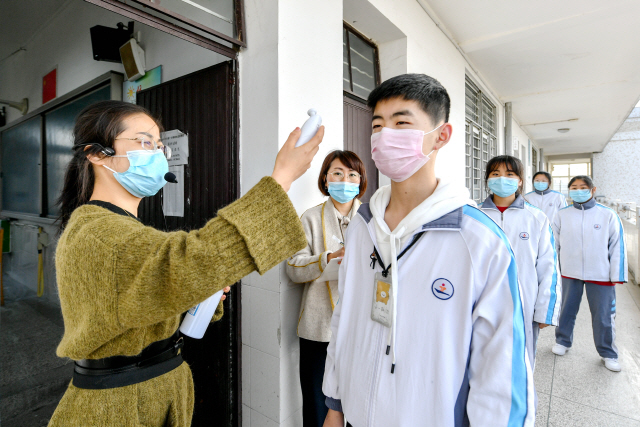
x: 576, y: 390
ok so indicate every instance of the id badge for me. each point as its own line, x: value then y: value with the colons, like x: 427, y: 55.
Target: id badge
x: 381, y: 309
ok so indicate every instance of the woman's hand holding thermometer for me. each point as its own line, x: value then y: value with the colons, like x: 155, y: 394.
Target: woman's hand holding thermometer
x: 292, y: 162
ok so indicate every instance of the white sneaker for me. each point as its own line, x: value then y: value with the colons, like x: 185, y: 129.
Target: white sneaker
x: 559, y: 349
x: 612, y: 364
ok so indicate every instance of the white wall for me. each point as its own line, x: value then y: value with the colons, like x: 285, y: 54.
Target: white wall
x: 615, y: 170
x: 293, y: 63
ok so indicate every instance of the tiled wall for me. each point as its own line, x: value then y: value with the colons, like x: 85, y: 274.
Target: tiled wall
x: 615, y: 170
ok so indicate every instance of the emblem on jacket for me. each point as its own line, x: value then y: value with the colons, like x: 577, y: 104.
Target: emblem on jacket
x: 442, y: 289
x: 524, y: 235
x: 597, y: 227
x: 550, y: 204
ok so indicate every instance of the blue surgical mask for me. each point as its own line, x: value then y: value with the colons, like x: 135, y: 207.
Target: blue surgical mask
x: 502, y: 186
x: 580, y: 196
x: 540, y: 186
x: 343, y: 192
x: 145, y: 176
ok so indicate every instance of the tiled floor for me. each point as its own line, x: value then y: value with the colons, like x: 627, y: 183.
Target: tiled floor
x: 576, y: 390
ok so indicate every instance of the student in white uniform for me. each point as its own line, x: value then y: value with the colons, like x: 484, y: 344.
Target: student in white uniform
x: 593, y: 256
x: 543, y: 197
x: 429, y: 329
x: 529, y: 232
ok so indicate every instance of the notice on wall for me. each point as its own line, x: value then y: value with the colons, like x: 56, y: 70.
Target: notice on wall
x: 173, y: 194
x: 179, y: 144
x: 151, y: 78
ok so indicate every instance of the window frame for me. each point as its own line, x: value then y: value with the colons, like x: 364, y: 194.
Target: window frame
x: 487, y: 131
x: 376, y: 59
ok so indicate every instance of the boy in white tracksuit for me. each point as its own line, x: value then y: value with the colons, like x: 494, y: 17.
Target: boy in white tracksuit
x: 593, y: 256
x: 435, y: 337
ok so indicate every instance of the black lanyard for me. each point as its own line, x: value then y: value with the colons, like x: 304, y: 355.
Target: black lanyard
x: 375, y: 256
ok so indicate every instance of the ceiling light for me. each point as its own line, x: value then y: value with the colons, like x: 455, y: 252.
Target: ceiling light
x: 563, y: 130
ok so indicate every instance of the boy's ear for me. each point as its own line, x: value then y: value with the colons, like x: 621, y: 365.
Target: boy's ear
x: 444, y: 136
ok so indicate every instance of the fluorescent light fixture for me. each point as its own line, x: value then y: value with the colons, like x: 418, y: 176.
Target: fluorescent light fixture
x: 563, y: 130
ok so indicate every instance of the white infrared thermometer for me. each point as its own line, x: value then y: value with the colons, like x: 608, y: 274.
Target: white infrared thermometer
x: 310, y: 127
x: 198, y: 318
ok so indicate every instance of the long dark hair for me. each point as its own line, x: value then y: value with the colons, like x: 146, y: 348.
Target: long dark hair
x: 97, y: 124
x: 513, y: 164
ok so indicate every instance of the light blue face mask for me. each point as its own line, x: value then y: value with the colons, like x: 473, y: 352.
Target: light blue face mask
x: 145, y: 176
x: 502, y: 186
x: 580, y: 196
x: 343, y: 192
x: 540, y: 186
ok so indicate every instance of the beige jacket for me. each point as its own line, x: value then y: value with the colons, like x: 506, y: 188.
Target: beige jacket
x: 320, y: 223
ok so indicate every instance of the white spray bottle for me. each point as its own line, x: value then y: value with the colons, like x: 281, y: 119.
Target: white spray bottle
x: 197, y: 319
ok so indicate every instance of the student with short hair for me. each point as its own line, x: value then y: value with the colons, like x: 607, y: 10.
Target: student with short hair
x: 531, y: 238
x: 543, y: 197
x: 429, y: 328
x: 593, y: 256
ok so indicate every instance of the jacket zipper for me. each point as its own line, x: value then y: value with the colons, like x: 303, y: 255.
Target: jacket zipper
x: 582, y: 242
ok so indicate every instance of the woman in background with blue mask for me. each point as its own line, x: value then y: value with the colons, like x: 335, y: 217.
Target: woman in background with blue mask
x: 543, y: 197
x: 123, y: 286
x: 531, y: 238
x: 343, y: 178
x: 593, y: 256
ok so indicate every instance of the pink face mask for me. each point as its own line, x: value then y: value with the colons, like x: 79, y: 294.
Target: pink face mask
x: 397, y: 153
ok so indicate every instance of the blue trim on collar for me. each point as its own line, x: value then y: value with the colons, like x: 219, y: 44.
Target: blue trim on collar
x: 365, y: 212
x: 451, y: 220
x: 518, y: 203
x: 586, y: 205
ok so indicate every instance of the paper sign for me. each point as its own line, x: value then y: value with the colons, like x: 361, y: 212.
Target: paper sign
x: 179, y: 144
x: 331, y: 271
x: 173, y: 194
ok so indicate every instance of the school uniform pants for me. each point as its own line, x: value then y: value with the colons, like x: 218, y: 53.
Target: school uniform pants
x: 312, y: 359
x: 602, y: 303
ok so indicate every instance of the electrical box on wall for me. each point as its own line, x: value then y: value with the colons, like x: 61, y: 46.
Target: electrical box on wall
x: 106, y: 41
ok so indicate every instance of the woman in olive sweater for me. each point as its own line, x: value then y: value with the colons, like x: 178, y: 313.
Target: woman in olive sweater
x: 124, y: 286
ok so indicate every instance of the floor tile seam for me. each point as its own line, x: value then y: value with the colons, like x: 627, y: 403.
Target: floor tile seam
x: 266, y: 416
x: 592, y: 407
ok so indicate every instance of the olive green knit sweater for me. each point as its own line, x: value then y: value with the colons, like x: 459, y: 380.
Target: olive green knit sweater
x: 124, y: 286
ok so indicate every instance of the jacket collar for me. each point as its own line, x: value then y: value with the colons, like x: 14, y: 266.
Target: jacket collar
x: 451, y: 220
x: 542, y: 193
x: 586, y: 205
x: 518, y: 203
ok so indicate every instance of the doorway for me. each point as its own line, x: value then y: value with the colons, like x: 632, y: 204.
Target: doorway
x: 202, y: 105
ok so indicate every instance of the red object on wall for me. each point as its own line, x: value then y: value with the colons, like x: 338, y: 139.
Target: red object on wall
x: 49, y: 86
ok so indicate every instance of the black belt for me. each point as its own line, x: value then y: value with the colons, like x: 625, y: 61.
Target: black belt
x: 119, y: 371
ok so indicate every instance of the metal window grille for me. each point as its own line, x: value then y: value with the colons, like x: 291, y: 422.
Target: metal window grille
x: 534, y: 160
x: 481, y: 142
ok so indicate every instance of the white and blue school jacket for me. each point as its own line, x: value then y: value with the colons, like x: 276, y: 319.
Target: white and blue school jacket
x: 549, y: 201
x: 529, y: 232
x: 461, y: 356
x: 590, y: 243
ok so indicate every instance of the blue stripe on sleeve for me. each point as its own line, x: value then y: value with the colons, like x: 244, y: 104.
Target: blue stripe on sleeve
x: 621, y: 239
x: 519, y: 386
x: 554, y: 282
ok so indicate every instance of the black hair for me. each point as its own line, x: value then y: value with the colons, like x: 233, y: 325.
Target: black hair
x: 512, y: 164
x: 427, y: 91
x: 587, y: 180
x: 96, y: 127
x: 350, y: 160
x: 546, y: 174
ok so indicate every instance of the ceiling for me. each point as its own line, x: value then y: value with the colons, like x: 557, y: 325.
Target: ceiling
x: 554, y: 61
x: 20, y: 20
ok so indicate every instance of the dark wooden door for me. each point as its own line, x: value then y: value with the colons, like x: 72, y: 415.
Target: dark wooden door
x: 357, y: 138
x: 203, y: 105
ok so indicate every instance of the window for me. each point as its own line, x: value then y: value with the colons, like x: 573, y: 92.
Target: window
x: 534, y: 160
x: 481, y: 142
x: 360, y: 63
x: 562, y: 174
